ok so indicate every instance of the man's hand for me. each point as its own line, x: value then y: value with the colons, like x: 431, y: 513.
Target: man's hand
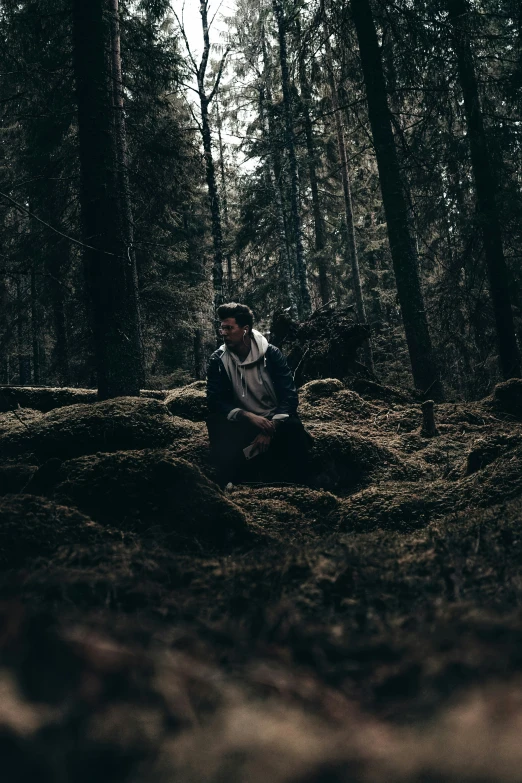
x: 262, y: 441
x: 265, y: 425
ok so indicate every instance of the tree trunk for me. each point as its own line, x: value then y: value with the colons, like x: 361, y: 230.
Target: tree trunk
x: 210, y: 172
x: 106, y: 222
x: 224, y: 201
x: 215, y: 214
x: 24, y: 359
x: 402, y: 245
x: 302, y: 275
x: 35, y: 329
x: 325, y: 290
x: 352, y: 257
x: 273, y: 168
x: 199, y: 357
x: 486, y: 189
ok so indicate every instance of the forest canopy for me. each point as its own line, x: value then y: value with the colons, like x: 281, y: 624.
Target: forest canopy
x: 351, y: 156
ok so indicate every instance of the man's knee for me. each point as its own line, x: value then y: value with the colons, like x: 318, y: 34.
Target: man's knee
x: 293, y: 430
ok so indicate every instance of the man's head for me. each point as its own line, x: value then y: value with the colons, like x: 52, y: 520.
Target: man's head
x: 236, y: 323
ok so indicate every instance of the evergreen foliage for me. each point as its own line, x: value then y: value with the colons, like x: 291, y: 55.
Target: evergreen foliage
x: 274, y: 230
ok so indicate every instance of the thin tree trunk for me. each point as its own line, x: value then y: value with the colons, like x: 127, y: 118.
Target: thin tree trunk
x: 402, y: 245
x: 325, y: 290
x: 224, y: 200
x: 35, y: 329
x: 110, y: 268
x: 302, y: 275
x: 61, y: 349
x: 486, y: 189
x: 272, y: 168
x: 199, y: 358
x: 352, y: 257
x: 24, y: 359
x: 210, y: 172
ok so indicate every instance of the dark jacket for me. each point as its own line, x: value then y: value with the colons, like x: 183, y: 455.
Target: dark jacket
x: 220, y: 393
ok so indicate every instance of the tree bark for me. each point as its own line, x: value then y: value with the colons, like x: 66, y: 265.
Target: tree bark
x: 402, y: 245
x: 210, y: 172
x: 352, y: 258
x: 106, y: 222
x: 35, y: 328
x: 224, y: 201
x: 486, y: 190
x: 273, y: 169
x: 325, y: 290
x: 302, y: 273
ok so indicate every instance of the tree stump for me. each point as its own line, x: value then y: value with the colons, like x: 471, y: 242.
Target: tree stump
x: 429, y: 428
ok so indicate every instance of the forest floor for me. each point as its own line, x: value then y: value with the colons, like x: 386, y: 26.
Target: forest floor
x: 366, y: 628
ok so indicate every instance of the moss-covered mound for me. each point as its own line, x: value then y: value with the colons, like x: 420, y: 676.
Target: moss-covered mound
x: 122, y: 423
x: 32, y: 527
x: 341, y: 459
x: 150, y: 491
x: 318, y: 389
x: 341, y: 405
x: 484, y: 451
x: 15, y: 477
x: 46, y: 399
x: 396, y: 506
x: 121, y: 576
x: 193, y: 446
x: 402, y: 505
x: 188, y: 402
x: 498, y: 481
x: 41, y: 398
x: 18, y: 420
x: 507, y: 398
x: 289, y: 511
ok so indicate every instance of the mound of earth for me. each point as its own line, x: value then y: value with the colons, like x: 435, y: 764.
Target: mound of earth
x: 18, y: 420
x: 172, y: 715
x: 486, y: 450
x: 499, y: 480
x: 120, y: 576
x: 341, y: 459
x: 396, y: 506
x: 290, y: 511
x: 122, y: 423
x: 189, y: 402
x: 152, y: 492
x: 406, y: 505
x: 41, y: 398
x: 456, y: 557
x: 318, y: 389
x: 338, y: 403
x: 32, y: 527
x: 507, y: 398
x: 46, y: 398
x: 15, y: 477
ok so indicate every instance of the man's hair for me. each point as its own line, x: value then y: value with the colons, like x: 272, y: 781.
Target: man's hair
x: 242, y: 313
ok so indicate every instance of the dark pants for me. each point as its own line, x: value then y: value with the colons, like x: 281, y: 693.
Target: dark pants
x: 285, y: 460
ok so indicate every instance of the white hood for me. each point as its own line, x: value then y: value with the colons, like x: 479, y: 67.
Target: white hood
x: 253, y: 387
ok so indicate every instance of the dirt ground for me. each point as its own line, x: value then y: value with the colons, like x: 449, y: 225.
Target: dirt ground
x: 366, y: 628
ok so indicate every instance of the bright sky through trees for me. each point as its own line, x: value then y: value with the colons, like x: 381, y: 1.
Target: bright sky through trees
x: 189, y: 11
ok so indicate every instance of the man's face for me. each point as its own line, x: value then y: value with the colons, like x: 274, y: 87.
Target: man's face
x: 232, y: 333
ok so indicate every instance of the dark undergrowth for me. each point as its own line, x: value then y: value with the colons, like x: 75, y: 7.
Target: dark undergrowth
x: 365, y: 628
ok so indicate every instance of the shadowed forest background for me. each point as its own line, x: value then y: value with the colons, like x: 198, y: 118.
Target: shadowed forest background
x: 293, y: 214
x: 351, y: 170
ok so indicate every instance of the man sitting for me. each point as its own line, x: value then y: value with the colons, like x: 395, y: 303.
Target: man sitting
x: 252, y: 401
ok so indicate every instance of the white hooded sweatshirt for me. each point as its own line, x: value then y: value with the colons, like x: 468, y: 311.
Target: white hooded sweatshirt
x: 253, y: 387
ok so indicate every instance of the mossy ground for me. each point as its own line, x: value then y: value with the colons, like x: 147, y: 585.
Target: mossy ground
x: 365, y: 629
